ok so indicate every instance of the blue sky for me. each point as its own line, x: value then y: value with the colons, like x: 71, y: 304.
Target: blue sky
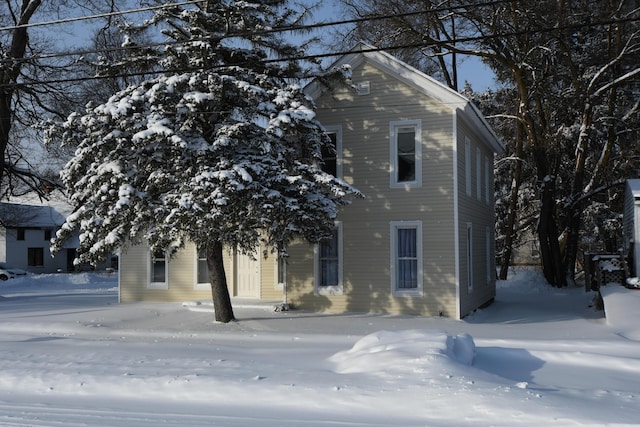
x: 470, y: 69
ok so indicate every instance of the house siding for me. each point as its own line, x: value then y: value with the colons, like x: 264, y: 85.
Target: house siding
x: 474, y: 210
x: 182, y: 276
x: 630, y: 223
x: 366, y: 237
x: 436, y: 204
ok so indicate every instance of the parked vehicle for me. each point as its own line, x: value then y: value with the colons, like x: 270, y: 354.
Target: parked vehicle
x: 5, y: 275
x: 13, y: 270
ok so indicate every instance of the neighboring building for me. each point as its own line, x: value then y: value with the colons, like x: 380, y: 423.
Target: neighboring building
x: 631, y: 226
x: 25, y: 233
x: 421, y: 242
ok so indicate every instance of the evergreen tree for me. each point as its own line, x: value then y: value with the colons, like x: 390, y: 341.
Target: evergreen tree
x: 220, y: 150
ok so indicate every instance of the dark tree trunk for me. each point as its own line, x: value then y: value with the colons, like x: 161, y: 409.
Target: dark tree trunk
x: 548, y: 237
x: 219, y: 290
x: 9, y: 72
x: 574, y: 223
x: 512, y: 210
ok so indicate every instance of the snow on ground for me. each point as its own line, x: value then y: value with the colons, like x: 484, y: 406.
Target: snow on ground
x: 70, y: 355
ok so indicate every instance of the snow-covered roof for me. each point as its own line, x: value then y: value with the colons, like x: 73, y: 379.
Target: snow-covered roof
x: 21, y: 215
x: 420, y: 81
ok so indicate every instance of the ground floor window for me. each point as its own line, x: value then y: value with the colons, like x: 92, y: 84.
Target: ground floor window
x: 202, y: 270
x: 406, y: 257
x: 281, y: 272
x: 158, y: 270
x: 328, y: 263
x: 35, y: 257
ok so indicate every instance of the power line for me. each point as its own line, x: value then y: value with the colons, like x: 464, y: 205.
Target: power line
x: 336, y: 53
x: 98, y: 16
x: 275, y: 29
x: 80, y: 53
x: 280, y: 29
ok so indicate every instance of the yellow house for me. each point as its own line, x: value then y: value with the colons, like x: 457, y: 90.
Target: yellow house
x: 421, y: 242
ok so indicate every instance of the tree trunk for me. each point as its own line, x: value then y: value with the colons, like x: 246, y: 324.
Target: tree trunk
x: 512, y: 210
x: 548, y: 236
x: 219, y: 290
x: 9, y: 72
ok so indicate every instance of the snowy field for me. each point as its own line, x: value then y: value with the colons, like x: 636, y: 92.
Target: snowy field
x: 71, y: 356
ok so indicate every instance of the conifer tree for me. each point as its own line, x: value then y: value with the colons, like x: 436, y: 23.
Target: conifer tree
x: 220, y: 150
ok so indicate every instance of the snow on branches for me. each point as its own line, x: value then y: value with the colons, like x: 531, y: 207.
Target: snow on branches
x: 230, y: 154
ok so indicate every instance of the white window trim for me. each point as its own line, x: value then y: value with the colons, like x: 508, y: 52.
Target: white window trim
x: 329, y: 290
x: 393, y: 153
x: 337, y: 129
x: 157, y: 285
x: 394, y: 226
x: 467, y: 165
x: 198, y: 286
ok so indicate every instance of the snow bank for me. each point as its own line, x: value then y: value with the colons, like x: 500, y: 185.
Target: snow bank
x: 421, y: 350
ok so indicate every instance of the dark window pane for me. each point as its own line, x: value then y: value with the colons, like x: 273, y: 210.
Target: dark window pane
x: 329, y: 155
x: 406, y: 154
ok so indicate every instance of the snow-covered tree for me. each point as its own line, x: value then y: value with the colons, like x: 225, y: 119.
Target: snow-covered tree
x: 220, y: 150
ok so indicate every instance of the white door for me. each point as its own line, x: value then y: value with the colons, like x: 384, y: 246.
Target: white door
x: 248, y: 276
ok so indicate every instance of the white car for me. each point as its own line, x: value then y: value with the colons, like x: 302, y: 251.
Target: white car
x: 5, y: 275
x: 13, y: 270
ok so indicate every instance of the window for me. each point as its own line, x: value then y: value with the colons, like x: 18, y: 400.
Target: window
x: 487, y: 181
x: 35, y: 257
x: 331, y: 155
x: 470, y: 256
x: 202, y: 271
x: 478, y: 174
x: 328, y: 260
x: 467, y: 166
x: 281, y: 272
x: 158, y: 270
x: 47, y: 234
x: 406, y: 153
x: 406, y: 257
x: 20, y: 234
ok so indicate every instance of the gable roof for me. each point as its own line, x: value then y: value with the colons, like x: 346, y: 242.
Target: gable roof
x: 419, y: 81
x: 21, y: 215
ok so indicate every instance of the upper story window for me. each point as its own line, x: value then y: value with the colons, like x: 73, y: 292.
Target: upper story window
x: 467, y: 165
x: 332, y: 155
x: 47, y: 234
x: 20, y: 234
x: 478, y: 174
x: 406, y: 153
x: 487, y: 181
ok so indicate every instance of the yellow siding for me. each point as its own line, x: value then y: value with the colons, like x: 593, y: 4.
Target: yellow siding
x: 481, y: 215
x: 366, y: 223
x: 365, y: 123
x: 134, y: 277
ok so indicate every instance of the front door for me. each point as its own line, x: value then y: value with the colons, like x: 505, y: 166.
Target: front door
x: 248, y: 275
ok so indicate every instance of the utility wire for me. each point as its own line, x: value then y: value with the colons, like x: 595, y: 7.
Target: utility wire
x: 98, y: 16
x: 80, y: 53
x: 283, y: 28
x: 332, y: 54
